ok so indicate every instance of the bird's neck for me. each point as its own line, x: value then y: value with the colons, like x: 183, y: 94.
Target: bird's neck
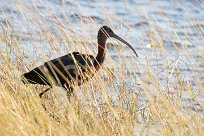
x: 102, y: 38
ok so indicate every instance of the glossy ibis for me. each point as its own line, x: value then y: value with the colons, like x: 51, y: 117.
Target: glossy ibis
x: 74, y: 68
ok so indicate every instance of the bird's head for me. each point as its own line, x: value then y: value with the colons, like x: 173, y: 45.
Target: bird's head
x: 105, y: 30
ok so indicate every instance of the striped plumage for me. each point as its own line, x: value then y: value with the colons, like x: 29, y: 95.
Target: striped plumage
x: 62, y: 70
x: 74, y: 68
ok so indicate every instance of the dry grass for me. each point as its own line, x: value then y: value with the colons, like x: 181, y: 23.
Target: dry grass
x: 127, y: 97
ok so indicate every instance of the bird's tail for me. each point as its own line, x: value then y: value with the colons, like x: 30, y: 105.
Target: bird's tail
x: 23, y: 79
x: 26, y: 78
x: 35, y: 76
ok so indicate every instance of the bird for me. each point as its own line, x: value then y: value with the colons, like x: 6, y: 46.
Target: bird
x: 74, y: 68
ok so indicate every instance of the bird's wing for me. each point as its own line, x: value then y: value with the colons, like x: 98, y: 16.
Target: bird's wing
x: 61, y: 69
x: 65, y: 60
x: 72, y: 59
x: 65, y: 66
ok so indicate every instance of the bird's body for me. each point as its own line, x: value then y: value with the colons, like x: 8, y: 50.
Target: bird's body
x: 66, y: 71
x: 74, y: 68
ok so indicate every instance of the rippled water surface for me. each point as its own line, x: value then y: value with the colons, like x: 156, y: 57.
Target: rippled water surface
x: 174, y: 26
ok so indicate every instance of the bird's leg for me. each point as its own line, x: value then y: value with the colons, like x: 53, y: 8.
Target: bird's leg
x: 41, y: 94
x: 69, y: 91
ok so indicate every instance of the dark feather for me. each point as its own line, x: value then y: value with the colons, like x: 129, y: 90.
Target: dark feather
x: 57, y: 69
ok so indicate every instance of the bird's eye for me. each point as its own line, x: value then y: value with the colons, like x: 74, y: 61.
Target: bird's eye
x: 110, y: 31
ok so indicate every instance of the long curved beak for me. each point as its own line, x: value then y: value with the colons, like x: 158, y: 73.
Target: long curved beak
x: 123, y: 41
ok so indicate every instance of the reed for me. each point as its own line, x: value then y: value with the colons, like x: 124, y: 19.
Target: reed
x: 128, y: 96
